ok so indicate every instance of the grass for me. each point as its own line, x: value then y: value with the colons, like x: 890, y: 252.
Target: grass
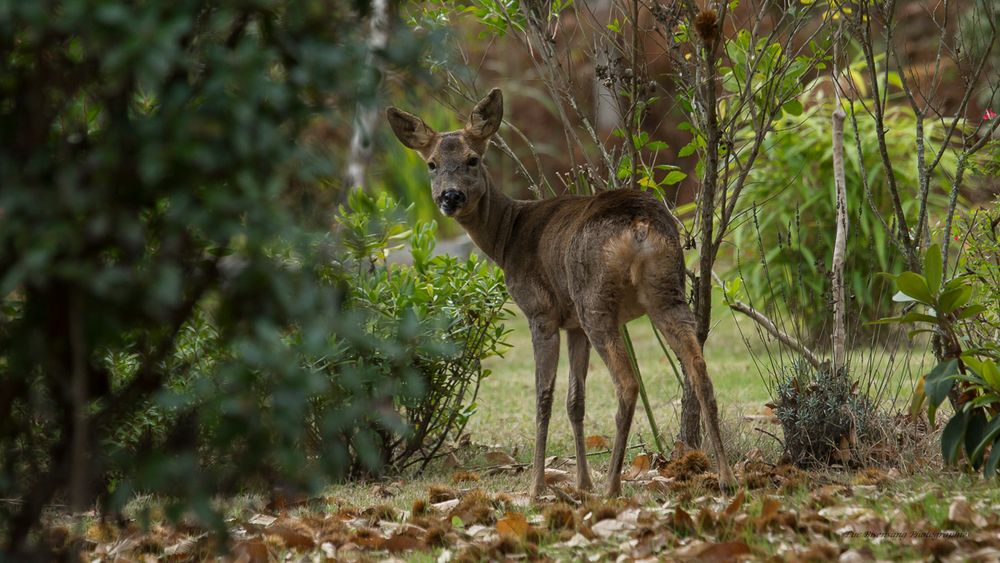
x: 505, y: 417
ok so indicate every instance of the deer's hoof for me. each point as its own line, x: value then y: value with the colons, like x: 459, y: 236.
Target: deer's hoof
x: 728, y: 482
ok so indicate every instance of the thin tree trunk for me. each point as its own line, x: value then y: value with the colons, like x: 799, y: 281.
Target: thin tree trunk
x: 839, y: 337
x: 367, y: 115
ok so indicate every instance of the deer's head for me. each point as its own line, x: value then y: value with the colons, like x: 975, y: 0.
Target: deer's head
x: 454, y: 159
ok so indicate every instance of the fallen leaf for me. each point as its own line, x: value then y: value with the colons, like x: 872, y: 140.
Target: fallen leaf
x: 513, y: 524
x: 682, y: 521
x: 640, y: 464
x: 263, y: 520
x: 735, y: 505
x: 609, y: 527
x: 291, y: 535
x: 960, y: 512
x: 598, y: 443
x: 714, y: 552
x: 404, y: 542
x: 553, y: 476
x: 445, y: 506
x: 250, y: 551
x: 500, y: 457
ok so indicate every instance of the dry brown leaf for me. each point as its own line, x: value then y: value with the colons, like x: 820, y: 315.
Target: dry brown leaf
x: 404, y: 542
x: 960, y: 512
x: 553, y: 476
x: 292, y: 535
x: 640, y: 464
x: 735, y: 505
x: 263, y: 520
x: 714, y: 552
x: 500, y: 457
x: 513, y: 524
x: 598, y: 443
x: 253, y: 550
x: 682, y: 520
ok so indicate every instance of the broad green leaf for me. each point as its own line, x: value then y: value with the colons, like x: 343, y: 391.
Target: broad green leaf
x: 954, y: 298
x: 987, y: 435
x: 970, y: 311
x: 938, y: 382
x: 975, y: 432
x: 915, y: 286
x: 990, y: 469
x: 932, y: 268
x: 900, y: 297
x: 793, y: 107
x: 951, y: 437
x: 674, y: 177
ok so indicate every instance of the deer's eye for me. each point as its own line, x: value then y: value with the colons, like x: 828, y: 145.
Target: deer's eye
x: 472, y: 162
x: 431, y: 166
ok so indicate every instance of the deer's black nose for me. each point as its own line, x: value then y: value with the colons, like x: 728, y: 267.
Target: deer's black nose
x: 452, y: 198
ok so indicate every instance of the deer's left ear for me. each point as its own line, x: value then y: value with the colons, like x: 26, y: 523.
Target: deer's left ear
x: 485, y: 118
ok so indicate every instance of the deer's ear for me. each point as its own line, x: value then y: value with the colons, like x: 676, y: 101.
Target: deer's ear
x: 485, y: 118
x: 410, y: 129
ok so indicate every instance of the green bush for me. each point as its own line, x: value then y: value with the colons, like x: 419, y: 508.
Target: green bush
x: 145, y: 149
x: 967, y: 373
x: 451, y: 308
x: 783, y: 244
x: 822, y: 415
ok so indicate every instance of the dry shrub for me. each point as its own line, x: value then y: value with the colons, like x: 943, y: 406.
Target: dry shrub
x: 464, y: 477
x: 440, y: 493
x: 560, y: 517
x: 690, y: 464
x: 476, y: 507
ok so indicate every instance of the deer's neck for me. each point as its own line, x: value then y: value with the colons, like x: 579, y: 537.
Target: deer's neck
x: 491, y: 223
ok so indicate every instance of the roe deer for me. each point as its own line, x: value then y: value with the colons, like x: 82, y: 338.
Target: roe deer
x: 586, y: 264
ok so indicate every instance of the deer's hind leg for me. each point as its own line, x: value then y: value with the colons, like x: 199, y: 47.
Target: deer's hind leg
x: 602, y: 330
x: 579, y: 357
x: 677, y: 323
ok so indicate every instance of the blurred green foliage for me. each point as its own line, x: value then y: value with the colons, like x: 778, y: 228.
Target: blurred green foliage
x: 168, y: 323
x: 782, y: 245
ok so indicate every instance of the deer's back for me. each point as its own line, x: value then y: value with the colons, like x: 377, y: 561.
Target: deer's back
x: 575, y: 247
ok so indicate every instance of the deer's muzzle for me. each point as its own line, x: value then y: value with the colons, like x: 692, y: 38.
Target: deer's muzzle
x: 450, y: 201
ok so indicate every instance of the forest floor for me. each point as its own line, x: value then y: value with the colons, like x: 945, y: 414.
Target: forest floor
x: 473, y: 504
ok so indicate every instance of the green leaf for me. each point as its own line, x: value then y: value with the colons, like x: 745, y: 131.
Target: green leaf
x: 951, y: 437
x: 975, y: 431
x: 933, y: 268
x: 674, y: 177
x: 915, y: 286
x: 900, y: 297
x: 971, y: 311
x: 687, y: 150
x: 792, y: 107
x: 990, y: 469
x: 954, y: 298
x: 938, y: 382
x: 987, y: 435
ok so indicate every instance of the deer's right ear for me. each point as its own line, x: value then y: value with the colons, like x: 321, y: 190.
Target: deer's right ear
x: 410, y: 129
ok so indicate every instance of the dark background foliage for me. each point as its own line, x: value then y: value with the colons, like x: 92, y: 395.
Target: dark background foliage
x: 146, y: 151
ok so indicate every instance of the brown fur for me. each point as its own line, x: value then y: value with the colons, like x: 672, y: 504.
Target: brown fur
x: 583, y: 264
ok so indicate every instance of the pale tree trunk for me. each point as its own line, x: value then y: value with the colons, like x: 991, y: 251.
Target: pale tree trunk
x: 839, y: 336
x: 367, y: 115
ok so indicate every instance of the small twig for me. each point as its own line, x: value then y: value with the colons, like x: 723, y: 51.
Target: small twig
x: 762, y: 431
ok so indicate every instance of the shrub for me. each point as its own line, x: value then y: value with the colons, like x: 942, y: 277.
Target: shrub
x: 452, y: 307
x: 967, y: 373
x: 822, y: 415
x: 784, y: 244
x: 145, y: 148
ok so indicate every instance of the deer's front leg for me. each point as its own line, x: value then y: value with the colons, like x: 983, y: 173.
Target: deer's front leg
x: 545, y: 340
x: 579, y: 357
